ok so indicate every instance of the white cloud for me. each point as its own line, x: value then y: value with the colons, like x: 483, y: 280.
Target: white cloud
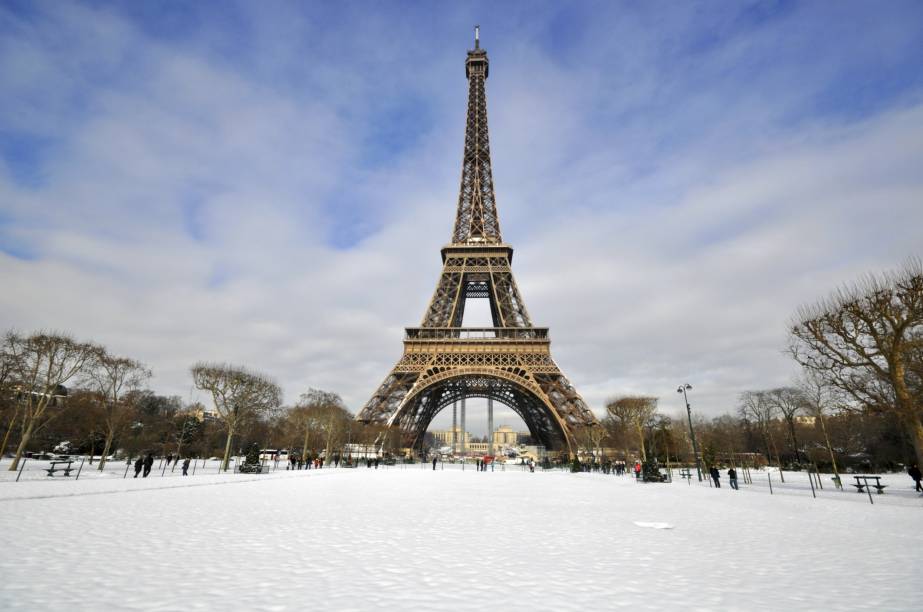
x: 187, y: 208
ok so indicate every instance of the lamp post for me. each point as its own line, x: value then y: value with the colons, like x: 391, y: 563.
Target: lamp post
x: 695, y: 447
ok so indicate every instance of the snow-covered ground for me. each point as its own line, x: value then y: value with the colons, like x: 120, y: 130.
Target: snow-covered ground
x: 411, y: 538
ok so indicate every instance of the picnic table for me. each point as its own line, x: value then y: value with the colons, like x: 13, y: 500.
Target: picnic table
x: 863, y: 481
x: 66, y: 469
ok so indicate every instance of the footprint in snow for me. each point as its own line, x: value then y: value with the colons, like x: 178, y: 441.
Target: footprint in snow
x: 654, y: 525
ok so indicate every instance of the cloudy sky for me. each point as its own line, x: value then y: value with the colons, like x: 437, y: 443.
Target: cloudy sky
x: 269, y: 183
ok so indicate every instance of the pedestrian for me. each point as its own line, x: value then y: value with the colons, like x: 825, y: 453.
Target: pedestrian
x: 732, y: 478
x: 531, y: 466
x: 637, y: 470
x: 716, y: 476
x: 336, y: 460
x: 138, y: 465
x: 434, y: 464
x: 478, y: 461
x: 376, y: 463
x: 185, y: 466
x: 148, y: 464
x: 914, y: 472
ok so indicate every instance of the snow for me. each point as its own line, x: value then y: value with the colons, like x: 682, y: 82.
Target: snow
x: 413, y: 538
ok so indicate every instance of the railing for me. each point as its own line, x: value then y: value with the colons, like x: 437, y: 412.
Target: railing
x: 477, y: 333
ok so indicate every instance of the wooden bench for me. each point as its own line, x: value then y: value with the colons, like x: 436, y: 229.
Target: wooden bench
x: 685, y: 473
x: 66, y: 469
x: 863, y: 481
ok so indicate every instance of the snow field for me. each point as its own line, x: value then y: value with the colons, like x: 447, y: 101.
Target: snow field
x: 446, y: 540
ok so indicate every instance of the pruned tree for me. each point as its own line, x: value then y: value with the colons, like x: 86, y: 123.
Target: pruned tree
x: 238, y: 394
x: 866, y: 339
x: 41, y: 364
x: 115, y: 379
x: 634, y: 412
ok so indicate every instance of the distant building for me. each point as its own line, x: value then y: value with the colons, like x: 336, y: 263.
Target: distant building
x: 503, y: 436
x: 445, y: 438
x: 202, y: 414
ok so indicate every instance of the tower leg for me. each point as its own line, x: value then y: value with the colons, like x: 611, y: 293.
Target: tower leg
x: 464, y: 445
x: 490, y: 427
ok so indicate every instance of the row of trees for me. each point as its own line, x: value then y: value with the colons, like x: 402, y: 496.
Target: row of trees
x: 859, y: 398
x: 758, y: 433
x: 54, y: 388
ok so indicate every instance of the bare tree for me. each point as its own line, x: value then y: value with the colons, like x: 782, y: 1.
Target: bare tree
x: 238, y: 394
x: 789, y: 402
x: 756, y: 406
x: 114, y: 379
x: 819, y: 400
x: 6, y: 394
x: 41, y: 364
x: 325, y: 413
x: 867, y: 339
x: 634, y: 412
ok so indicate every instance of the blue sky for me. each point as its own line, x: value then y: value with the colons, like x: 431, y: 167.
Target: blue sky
x: 269, y: 183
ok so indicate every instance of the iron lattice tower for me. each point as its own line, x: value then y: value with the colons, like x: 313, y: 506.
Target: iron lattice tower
x: 511, y: 362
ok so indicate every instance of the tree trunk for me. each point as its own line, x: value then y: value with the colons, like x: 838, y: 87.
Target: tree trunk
x: 227, y: 450
x: 791, y: 431
x: 26, y: 435
x: 823, y: 427
x: 9, y: 430
x: 641, y: 441
x: 778, y: 458
x: 106, y: 447
x: 915, y: 430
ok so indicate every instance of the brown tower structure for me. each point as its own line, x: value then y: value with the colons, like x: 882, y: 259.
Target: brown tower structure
x: 444, y: 363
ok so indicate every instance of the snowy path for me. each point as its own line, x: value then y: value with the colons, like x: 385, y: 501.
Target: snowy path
x: 449, y: 540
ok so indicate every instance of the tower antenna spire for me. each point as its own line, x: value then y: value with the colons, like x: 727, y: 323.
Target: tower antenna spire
x: 477, y: 37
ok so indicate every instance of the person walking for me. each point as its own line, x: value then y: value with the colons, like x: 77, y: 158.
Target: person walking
x: 138, y: 465
x: 914, y: 472
x: 434, y: 464
x: 148, y: 464
x: 716, y: 476
x: 185, y: 466
x: 732, y: 478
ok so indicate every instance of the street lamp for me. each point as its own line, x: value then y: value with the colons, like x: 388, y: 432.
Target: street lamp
x: 695, y: 447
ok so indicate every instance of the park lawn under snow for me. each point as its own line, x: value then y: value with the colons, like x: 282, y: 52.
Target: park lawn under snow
x: 412, y: 538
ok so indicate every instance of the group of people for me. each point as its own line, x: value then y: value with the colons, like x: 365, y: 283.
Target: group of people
x: 716, y: 477
x: 296, y: 462
x: 144, y: 464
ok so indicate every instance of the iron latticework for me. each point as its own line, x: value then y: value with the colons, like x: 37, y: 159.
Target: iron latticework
x: 444, y: 362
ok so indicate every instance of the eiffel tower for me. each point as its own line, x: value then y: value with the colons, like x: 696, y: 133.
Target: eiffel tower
x: 444, y: 363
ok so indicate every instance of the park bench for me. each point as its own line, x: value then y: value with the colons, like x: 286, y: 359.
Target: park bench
x: 685, y: 473
x: 66, y: 469
x: 863, y: 481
